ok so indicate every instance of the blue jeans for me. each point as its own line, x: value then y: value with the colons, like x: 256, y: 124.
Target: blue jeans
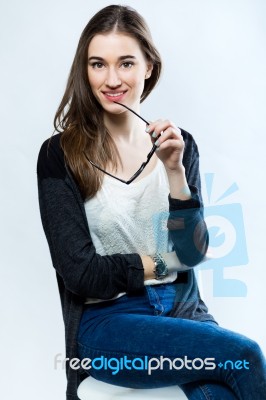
x: 133, y: 342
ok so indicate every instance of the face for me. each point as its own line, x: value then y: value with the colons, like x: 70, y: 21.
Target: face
x: 117, y: 69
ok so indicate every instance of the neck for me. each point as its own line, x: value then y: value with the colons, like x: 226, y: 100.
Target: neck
x: 125, y: 128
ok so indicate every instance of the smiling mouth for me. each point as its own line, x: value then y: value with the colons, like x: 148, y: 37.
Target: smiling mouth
x: 114, y: 95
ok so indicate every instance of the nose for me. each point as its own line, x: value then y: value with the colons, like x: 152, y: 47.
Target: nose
x: 113, y: 79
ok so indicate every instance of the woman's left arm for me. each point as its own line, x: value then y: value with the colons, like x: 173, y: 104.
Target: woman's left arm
x: 179, y: 153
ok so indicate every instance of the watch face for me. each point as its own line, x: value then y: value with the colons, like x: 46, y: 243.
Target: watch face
x: 160, y: 267
x: 163, y: 274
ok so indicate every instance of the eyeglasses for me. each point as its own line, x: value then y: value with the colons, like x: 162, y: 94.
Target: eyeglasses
x: 143, y: 165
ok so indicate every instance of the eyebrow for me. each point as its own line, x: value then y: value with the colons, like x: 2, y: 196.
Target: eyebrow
x: 121, y: 58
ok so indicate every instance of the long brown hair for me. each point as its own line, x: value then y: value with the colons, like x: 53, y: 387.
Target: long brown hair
x: 80, y: 117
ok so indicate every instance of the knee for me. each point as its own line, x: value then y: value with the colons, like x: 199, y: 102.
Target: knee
x: 251, y: 352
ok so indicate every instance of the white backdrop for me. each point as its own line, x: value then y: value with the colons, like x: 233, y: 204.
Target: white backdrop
x: 213, y: 85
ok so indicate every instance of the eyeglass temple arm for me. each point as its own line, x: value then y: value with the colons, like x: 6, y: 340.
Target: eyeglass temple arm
x: 134, y: 112
x: 107, y: 173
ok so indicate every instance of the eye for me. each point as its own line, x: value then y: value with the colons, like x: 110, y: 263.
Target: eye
x: 97, y: 65
x: 127, y: 64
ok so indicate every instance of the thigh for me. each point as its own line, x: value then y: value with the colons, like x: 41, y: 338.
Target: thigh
x: 150, y: 351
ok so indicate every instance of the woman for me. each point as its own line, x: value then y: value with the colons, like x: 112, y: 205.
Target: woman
x: 124, y: 248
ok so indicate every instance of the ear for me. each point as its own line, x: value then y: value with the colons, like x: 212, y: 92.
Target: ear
x: 149, y: 70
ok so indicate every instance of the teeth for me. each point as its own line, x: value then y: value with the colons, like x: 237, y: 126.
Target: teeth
x: 114, y: 94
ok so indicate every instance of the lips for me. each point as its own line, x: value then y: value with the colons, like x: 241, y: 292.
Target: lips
x: 114, y: 96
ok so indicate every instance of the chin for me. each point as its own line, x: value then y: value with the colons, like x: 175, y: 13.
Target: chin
x: 112, y: 108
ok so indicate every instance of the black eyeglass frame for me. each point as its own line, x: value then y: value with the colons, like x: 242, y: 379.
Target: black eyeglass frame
x: 143, y: 165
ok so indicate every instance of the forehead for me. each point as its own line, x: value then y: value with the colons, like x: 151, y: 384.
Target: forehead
x: 114, y: 44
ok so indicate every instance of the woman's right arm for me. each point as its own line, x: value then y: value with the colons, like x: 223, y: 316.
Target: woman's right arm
x: 84, y: 272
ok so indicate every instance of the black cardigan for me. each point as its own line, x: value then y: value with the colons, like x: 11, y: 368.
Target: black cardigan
x: 82, y: 273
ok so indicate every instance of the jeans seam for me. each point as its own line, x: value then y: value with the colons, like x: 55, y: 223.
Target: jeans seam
x: 159, y: 312
x: 155, y: 301
x: 206, y: 392
x: 232, y: 382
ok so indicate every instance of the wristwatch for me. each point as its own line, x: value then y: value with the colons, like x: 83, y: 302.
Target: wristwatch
x: 160, y: 267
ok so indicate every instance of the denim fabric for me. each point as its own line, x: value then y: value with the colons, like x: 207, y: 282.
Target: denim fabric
x: 139, y: 326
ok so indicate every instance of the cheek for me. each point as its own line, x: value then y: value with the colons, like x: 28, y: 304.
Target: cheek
x: 94, y: 81
x: 136, y: 81
x: 140, y: 84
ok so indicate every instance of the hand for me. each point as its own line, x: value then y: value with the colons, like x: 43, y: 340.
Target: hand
x: 169, y: 140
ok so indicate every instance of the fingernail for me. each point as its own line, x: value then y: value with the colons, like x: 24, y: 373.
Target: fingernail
x: 154, y: 135
x: 147, y: 129
x: 157, y: 143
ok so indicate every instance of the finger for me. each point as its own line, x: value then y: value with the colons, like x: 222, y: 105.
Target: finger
x: 150, y: 128
x: 171, y: 144
x: 160, y: 126
x: 170, y: 133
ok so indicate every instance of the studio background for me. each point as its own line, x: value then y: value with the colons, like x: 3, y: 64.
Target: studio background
x: 213, y: 86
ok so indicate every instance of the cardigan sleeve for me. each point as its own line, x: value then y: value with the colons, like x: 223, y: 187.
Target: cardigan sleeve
x: 84, y: 272
x: 186, y: 224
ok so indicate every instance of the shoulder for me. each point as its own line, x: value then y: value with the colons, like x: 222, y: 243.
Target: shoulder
x: 51, y: 163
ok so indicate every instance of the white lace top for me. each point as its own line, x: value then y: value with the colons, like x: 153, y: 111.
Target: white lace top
x: 131, y: 218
